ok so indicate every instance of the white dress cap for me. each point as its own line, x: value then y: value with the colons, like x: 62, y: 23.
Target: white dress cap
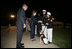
x: 48, y: 13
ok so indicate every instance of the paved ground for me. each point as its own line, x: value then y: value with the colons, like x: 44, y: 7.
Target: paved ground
x: 8, y: 40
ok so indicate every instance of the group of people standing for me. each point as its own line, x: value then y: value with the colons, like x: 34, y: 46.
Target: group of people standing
x: 44, y: 26
x: 43, y: 22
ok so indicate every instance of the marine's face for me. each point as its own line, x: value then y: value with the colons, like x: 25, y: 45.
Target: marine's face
x: 48, y: 16
x: 44, y: 12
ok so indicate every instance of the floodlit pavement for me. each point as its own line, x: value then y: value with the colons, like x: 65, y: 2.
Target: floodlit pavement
x: 8, y: 39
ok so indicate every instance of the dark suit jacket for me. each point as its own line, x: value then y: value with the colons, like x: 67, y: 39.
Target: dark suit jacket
x: 21, y: 19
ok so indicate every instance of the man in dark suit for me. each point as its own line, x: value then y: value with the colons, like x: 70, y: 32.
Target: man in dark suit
x: 32, y: 25
x: 21, y: 23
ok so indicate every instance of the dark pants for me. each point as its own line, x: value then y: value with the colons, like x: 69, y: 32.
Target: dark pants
x: 39, y: 27
x: 32, y: 33
x: 19, y: 33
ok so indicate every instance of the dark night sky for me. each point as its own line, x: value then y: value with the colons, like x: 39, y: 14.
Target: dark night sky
x: 59, y: 9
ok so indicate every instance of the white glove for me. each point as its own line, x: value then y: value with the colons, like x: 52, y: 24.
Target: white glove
x: 45, y: 41
x: 24, y: 25
x: 40, y: 21
x: 47, y: 24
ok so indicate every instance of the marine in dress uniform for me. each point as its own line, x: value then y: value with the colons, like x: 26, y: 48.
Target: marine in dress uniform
x: 40, y: 18
x: 48, y: 27
x: 39, y: 26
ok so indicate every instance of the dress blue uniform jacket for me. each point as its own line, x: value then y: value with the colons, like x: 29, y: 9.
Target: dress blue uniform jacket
x: 50, y: 24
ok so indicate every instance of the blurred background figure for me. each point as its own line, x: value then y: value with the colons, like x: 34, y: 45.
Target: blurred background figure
x: 26, y: 25
x: 39, y: 27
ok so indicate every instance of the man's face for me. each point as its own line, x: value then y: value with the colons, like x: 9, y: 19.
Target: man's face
x: 48, y: 16
x: 34, y: 14
x: 25, y: 7
x: 44, y: 12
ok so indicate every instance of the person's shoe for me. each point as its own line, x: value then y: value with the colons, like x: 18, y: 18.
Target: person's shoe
x: 50, y: 42
x: 22, y: 43
x: 20, y: 47
x: 45, y: 41
x: 33, y: 39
